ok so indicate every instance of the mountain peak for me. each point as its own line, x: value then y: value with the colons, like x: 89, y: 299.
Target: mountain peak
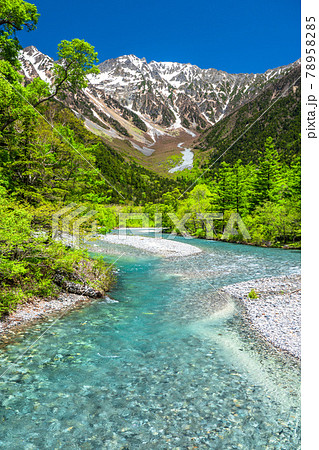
x: 169, y: 95
x: 31, y: 49
x: 36, y: 64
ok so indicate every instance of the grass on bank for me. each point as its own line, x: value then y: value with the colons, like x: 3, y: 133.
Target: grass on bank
x: 29, y: 261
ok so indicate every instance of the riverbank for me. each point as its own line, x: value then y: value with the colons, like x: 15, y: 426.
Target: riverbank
x: 291, y: 246
x: 39, y: 309
x: 85, y: 280
x: 160, y: 247
x: 76, y: 294
x: 276, y: 313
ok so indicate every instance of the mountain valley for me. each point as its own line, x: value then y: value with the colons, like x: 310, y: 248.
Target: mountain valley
x: 145, y: 110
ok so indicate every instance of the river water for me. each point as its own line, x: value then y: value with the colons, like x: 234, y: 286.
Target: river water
x: 170, y: 365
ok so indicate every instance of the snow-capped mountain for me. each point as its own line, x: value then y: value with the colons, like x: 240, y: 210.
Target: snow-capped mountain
x: 36, y: 64
x: 175, y: 94
x: 140, y: 101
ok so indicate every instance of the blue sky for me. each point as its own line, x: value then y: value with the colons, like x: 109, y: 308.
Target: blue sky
x: 235, y: 36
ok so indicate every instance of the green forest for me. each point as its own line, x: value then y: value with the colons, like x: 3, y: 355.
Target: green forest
x: 48, y: 159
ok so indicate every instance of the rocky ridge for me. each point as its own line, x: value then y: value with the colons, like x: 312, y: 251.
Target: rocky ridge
x: 140, y: 101
x: 175, y: 94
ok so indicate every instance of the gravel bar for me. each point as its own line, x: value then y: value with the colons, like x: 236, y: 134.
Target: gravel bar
x: 276, y: 313
x: 162, y: 247
x: 41, y: 309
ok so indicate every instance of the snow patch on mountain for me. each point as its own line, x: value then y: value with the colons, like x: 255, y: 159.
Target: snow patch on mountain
x: 34, y: 63
x: 166, y: 96
x: 187, y: 161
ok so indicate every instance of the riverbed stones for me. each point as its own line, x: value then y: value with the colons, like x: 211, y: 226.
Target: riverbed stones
x: 161, y: 247
x: 41, y: 309
x: 276, y: 313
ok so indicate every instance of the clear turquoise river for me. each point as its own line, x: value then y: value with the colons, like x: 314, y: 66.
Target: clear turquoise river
x: 171, y: 365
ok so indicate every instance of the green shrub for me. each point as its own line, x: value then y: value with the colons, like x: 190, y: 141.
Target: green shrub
x: 10, y: 299
x: 253, y: 294
x: 30, y: 259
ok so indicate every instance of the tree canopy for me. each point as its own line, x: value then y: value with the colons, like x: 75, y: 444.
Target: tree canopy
x: 76, y: 60
x: 15, y: 15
